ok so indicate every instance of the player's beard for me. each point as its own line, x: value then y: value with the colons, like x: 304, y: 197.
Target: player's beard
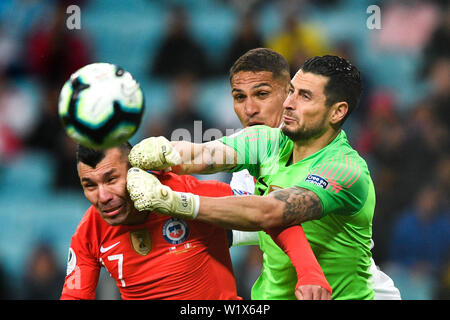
x: 304, y: 133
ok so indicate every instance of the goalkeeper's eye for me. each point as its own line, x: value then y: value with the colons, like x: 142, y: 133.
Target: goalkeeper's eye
x: 306, y: 96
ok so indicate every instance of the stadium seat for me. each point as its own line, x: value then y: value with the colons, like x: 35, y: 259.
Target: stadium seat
x: 31, y: 174
x: 139, y: 26
x: 27, y: 221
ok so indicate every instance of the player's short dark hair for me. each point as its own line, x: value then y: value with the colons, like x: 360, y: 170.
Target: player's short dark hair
x: 92, y: 157
x: 261, y: 59
x: 344, y: 80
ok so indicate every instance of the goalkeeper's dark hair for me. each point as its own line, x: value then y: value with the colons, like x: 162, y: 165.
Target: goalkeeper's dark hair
x: 344, y: 80
x: 261, y: 59
x: 92, y: 157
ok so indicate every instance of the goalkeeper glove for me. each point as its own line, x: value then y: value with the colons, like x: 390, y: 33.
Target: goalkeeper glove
x: 154, y: 153
x: 148, y: 194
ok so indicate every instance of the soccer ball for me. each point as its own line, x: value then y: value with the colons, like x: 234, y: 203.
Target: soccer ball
x: 101, y: 106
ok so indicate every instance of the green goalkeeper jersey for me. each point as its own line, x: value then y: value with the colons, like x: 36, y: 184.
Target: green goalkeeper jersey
x: 341, y: 238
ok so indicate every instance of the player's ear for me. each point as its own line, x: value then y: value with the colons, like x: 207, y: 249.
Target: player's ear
x: 338, y: 112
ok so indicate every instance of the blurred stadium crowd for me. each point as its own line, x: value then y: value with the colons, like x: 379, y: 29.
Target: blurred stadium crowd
x: 180, y: 51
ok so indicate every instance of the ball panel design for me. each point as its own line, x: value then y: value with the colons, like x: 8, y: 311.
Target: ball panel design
x: 64, y: 99
x: 101, y: 106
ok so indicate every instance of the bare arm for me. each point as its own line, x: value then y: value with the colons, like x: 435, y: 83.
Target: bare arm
x: 300, y: 205
x: 283, y: 208
x: 210, y: 157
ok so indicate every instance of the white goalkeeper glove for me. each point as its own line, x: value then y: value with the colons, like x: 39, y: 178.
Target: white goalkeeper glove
x: 154, y: 153
x: 148, y: 194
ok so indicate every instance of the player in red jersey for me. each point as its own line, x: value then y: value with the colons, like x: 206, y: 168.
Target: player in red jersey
x: 152, y: 256
x: 149, y: 255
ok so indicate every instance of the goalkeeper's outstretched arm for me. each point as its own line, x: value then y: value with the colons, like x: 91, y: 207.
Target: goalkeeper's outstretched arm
x: 183, y: 157
x: 281, y: 208
x: 209, y: 157
x: 246, y: 213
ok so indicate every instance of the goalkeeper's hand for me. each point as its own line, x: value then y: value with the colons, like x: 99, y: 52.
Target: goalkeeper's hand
x: 154, y: 153
x: 148, y: 194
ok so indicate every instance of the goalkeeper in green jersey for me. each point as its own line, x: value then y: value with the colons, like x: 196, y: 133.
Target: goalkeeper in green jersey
x: 307, y: 172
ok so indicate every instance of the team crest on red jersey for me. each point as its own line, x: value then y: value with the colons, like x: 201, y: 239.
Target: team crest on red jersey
x: 175, y: 231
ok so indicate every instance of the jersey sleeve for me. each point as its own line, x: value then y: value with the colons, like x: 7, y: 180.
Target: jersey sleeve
x: 293, y: 242
x: 253, y: 146
x: 83, y: 269
x: 341, y: 183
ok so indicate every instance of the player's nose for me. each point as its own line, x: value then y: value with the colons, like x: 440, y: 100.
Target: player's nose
x: 104, y: 195
x: 289, y: 103
x: 251, y: 108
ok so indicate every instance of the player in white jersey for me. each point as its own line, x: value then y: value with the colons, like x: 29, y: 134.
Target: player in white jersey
x: 260, y: 83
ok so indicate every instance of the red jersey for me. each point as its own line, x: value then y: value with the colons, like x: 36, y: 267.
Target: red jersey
x: 163, y: 258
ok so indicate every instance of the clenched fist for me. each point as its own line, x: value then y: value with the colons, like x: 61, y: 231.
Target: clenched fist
x: 148, y: 194
x: 154, y: 153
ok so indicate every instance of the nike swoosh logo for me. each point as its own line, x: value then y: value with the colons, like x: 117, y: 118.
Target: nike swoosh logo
x: 103, y: 250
